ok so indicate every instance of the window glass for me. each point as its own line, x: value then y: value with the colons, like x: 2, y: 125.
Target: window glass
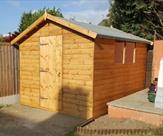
x: 119, y: 49
x: 129, y: 53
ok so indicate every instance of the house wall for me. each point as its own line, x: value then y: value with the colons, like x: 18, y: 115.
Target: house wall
x: 111, y: 80
x: 77, y: 82
x: 157, y: 55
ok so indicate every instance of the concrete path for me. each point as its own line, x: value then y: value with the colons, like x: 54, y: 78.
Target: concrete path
x: 20, y: 120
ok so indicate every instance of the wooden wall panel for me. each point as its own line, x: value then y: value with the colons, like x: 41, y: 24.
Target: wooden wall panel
x: 29, y: 70
x: 77, y: 63
x: 77, y: 74
x: 111, y: 80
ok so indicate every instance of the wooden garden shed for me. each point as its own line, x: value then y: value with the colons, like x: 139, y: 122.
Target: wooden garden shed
x: 75, y: 68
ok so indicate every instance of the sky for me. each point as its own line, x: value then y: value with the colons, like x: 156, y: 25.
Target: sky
x: 81, y: 10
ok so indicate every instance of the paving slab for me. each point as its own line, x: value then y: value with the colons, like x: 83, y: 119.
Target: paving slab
x: 137, y: 101
x: 18, y: 120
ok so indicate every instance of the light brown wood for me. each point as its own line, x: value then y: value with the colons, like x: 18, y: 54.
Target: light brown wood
x: 58, y: 20
x: 72, y: 26
x: 77, y: 65
x: 77, y: 75
x: 89, y: 77
x: 50, y: 72
x: 45, y: 58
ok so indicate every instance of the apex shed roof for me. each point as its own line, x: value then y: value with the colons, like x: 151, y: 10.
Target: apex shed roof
x: 90, y: 30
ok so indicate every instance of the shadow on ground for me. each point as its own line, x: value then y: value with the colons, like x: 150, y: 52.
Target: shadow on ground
x: 25, y: 121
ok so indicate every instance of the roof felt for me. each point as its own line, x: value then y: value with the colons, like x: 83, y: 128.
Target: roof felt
x: 111, y: 32
x: 93, y: 30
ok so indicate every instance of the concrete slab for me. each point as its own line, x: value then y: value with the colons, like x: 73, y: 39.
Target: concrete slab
x: 20, y: 120
x: 137, y: 101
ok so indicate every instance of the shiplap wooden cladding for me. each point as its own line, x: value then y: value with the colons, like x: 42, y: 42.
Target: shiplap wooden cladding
x: 66, y: 70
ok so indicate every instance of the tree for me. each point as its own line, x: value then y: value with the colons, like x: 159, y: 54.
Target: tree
x: 139, y: 17
x: 11, y: 36
x: 29, y: 17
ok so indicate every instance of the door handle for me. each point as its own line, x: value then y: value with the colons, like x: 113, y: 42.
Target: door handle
x: 59, y: 74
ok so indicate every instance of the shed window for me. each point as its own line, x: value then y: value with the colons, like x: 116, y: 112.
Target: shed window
x: 119, y: 52
x: 130, y: 53
x: 125, y: 52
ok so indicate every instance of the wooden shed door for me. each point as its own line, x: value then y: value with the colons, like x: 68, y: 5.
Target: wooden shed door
x: 50, y: 72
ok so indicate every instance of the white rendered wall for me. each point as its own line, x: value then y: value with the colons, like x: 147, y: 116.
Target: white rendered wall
x: 7, y: 100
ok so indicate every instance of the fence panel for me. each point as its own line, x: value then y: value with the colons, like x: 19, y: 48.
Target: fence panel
x: 9, y: 72
x: 149, y: 68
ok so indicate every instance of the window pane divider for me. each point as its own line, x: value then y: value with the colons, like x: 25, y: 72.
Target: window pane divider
x: 124, y: 53
x: 134, y: 54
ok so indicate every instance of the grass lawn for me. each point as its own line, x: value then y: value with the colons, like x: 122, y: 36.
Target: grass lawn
x: 151, y: 134
x: 70, y: 134
x: 7, y: 105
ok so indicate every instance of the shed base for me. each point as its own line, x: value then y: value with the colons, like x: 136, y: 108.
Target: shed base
x: 117, y: 112
x: 136, y: 106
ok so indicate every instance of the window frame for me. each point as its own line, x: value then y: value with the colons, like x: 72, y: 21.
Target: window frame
x: 123, y: 60
x: 119, y: 60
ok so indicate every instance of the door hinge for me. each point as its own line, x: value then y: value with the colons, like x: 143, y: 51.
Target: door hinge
x: 43, y: 98
x: 44, y: 71
x: 43, y: 44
